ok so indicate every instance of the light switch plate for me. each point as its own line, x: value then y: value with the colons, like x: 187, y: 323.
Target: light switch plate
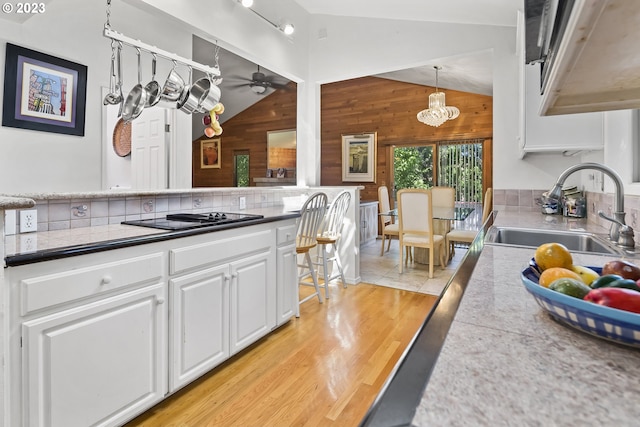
x: 10, y: 222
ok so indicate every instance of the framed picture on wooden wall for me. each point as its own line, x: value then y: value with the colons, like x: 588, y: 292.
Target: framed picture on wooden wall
x: 210, y: 153
x: 359, y: 157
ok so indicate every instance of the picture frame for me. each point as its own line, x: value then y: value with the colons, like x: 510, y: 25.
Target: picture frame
x: 210, y: 153
x: 43, y: 93
x: 359, y: 157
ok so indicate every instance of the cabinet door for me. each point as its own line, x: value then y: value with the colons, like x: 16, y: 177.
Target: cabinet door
x: 199, y: 324
x: 368, y: 223
x: 253, y: 299
x: 583, y: 131
x: 98, y: 364
x: 287, y: 286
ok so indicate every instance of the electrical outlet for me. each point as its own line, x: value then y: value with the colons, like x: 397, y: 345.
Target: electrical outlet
x: 28, y: 220
x: 242, y: 201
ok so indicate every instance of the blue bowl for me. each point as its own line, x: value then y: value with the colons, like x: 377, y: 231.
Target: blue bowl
x: 609, y: 323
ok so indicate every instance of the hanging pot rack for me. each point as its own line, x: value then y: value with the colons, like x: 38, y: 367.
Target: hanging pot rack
x: 114, y: 35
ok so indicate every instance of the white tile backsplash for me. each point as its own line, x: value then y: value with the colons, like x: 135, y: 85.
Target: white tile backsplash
x: 56, y: 214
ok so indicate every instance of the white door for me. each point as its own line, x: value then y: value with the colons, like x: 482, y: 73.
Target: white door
x: 148, y: 152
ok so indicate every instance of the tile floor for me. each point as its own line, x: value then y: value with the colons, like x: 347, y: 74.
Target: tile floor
x: 383, y: 270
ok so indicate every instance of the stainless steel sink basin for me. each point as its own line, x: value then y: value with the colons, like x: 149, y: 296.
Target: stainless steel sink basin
x: 575, y: 241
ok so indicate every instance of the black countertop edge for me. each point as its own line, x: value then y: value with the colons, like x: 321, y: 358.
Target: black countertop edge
x: 401, y: 394
x: 69, y: 251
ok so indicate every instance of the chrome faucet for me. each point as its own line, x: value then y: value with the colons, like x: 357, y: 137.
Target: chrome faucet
x: 619, y: 232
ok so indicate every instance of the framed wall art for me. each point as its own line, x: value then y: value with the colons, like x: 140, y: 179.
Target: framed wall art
x: 43, y: 92
x: 359, y: 157
x: 210, y: 153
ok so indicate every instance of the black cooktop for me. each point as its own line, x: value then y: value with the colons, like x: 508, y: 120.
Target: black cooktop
x: 185, y: 221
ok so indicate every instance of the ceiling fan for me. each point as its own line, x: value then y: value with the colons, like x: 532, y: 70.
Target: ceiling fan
x: 260, y: 82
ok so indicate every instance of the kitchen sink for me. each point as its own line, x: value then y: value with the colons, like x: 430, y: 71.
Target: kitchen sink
x: 575, y: 241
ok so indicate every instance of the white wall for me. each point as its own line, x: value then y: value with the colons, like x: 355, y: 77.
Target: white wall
x: 33, y: 161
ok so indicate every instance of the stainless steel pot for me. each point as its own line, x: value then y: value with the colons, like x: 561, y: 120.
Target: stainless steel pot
x: 136, y: 99
x: 172, y: 88
x: 190, y: 97
x: 210, y: 96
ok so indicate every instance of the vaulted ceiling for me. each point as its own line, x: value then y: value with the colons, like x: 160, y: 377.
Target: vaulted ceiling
x: 468, y: 73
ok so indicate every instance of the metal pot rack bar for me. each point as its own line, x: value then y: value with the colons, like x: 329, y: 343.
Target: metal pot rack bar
x: 114, y: 35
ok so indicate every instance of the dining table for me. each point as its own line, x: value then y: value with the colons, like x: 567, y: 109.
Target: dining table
x: 457, y: 213
x: 442, y: 218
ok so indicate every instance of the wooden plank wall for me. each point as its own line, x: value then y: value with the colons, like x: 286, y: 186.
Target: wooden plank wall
x: 282, y: 158
x: 367, y: 104
x: 372, y: 104
x: 247, y: 132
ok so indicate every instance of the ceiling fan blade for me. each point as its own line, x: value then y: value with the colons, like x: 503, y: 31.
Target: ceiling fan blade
x: 244, y: 79
x: 239, y: 85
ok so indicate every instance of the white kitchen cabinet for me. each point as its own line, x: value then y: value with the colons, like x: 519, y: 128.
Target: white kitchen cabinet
x: 97, y: 364
x: 199, y: 324
x: 594, y: 66
x: 223, y: 298
x: 368, y: 222
x: 97, y: 339
x: 92, y: 339
x: 286, y: 273
x: 252, y: 300
x: 573, y: 132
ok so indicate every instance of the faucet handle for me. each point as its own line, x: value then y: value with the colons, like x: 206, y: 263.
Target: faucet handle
x: 602, y: 215
x: 625, y: 233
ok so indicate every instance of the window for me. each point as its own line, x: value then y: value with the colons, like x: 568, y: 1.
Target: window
x: 241, y: 168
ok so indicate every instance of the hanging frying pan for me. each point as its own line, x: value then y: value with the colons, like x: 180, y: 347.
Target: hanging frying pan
x: 122, y: 138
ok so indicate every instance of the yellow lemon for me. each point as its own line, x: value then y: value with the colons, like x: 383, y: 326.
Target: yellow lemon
x: 550, y: 255
x: 552, y: 274
x: 586, y: 274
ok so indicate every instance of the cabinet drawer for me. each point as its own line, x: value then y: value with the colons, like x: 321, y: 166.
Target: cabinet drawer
x: 218, y: 251
x: 46, y: 291
x: 286, y: 234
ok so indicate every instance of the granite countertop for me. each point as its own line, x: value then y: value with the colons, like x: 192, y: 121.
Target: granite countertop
x: 11, y: 202
x: 506, y: 362
x: 45, y: 245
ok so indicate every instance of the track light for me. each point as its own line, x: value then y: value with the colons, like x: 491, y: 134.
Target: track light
x: 287, y: 28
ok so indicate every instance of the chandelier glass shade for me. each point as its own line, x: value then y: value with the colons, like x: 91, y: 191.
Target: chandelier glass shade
x: 438, y: 112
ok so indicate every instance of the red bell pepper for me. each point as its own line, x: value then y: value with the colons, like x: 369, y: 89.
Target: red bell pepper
x: 620, y: 298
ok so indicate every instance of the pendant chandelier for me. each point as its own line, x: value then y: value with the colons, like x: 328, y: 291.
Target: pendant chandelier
x: 438, y: 112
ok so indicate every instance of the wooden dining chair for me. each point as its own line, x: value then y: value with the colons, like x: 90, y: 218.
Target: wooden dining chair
x: 389, y: 227
x: 467, y: 236
x: 415, y: 223
x: 311, y: 214
x: 328, y: 239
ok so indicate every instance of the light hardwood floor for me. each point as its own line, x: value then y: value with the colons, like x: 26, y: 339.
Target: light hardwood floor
x: 323, y: 369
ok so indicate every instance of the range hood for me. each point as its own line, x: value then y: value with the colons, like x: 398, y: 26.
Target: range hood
x: 592, y: 60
